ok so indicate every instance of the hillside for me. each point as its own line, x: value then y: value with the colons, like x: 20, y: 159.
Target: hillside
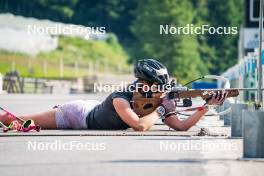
x: 78, y: 56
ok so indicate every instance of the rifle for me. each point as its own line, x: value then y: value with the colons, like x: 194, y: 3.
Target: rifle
x: 143, y: 106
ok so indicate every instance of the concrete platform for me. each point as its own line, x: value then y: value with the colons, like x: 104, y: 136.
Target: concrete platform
x: 126, y: 155
x: 157, y: 130
x: 161, y: 151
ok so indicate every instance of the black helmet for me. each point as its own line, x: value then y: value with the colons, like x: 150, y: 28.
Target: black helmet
x: 151, y: 70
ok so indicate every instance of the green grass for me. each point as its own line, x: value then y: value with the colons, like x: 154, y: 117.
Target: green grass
x: 71, y: 50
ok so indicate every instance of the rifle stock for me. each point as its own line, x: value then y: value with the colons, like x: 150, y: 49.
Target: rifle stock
x: 143, y: 106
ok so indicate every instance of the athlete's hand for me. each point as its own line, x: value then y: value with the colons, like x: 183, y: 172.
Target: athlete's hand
x: 217, y: 98
x: 169, y: 105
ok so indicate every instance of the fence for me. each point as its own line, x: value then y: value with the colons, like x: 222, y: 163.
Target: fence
x: 61, y: 69
x: 245, y: 75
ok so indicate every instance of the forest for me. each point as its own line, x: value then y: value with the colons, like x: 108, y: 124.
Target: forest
x: 136, y: 23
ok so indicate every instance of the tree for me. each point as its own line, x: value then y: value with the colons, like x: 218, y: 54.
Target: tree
x: 115, y: 15
x: 55, y: 10
x: 224, y: 13
x: 141, y: 38
x: 178, y: 52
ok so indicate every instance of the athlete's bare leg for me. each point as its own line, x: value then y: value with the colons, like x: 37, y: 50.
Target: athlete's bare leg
x: 45, y: 119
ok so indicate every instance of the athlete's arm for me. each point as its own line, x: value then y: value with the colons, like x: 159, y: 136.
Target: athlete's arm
x: 183, y: 125
x: 173, y: 121
x: 125, y: 112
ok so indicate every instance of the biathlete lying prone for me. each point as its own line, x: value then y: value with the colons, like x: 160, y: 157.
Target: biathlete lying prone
x: 116, y: 112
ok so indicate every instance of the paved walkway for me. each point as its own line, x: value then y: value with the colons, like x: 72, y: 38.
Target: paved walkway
x: 160, y: 151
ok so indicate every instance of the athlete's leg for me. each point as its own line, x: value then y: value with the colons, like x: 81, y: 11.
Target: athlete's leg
x: 69, y: 115
x: 45, y: 119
